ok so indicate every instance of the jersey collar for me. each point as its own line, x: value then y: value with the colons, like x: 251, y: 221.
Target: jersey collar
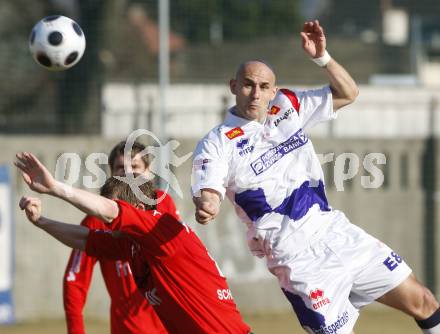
x: 234, y: 120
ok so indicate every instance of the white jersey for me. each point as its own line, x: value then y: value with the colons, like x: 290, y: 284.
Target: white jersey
x: 270, y: 170
x: 327, y: 267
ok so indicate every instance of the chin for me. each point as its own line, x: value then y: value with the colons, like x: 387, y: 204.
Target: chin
x: 253, y: 114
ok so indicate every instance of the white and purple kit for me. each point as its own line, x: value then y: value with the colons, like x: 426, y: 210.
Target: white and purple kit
x: 326, y: 267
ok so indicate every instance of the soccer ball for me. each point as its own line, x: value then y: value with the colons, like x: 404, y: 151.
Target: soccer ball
x: 57, y: 42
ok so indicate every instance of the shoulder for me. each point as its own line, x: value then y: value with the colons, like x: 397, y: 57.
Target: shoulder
x: 93, y: 222
x: 167, y: 199
x: 218, y: 139
x: 285, y: 99
x: 124, y: 206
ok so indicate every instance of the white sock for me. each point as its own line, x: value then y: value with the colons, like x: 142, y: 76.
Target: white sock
x: 433, y: 330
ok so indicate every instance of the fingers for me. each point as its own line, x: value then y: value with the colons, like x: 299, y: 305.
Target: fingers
x: 304, y: 38
x: 35, y: 162
x: 313, y: 27
x: 22, y: 203
x: 27, y: 179
x: 205, y: 213
x: 32, y: 208
x: 203, y: 217
x: 28, y: 202
x: 24, y: 161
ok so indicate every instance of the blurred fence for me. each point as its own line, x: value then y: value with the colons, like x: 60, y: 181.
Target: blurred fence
x: 381, y: 111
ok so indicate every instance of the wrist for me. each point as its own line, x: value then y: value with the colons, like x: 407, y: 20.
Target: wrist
x: 40, y: 222
x: 61, y: 190
x: 323, y: 60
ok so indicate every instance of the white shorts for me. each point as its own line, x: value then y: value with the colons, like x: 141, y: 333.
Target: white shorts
x: 338, y: 273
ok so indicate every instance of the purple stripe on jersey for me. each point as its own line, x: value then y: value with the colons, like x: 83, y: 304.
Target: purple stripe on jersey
x: 295, y: 206
x: 307, y: 317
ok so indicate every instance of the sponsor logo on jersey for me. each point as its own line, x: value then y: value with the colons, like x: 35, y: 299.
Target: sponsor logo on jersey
x: 244, y: 147
x: 201, y: 164
x: 313, y: 320
x: 152, y: 297
x: 76, y: 265
x: 71, y: 276
x: 224, y: 294
x: 122, y: 268
x: 335, y: 327
x: 316, y: 294
x: 318, y: 299
x: 269, y: 158
x: 286, y: 115
x: 392, y: 261
x: 157, y: 213
x: 274, y: 110
x: 242, y: 143
x: 234, y: 133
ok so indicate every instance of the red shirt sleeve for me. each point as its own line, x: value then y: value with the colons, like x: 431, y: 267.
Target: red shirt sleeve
x: 110, y: 245
x: 153, y: 231
x: 167, y: 205
x: 76, y: 283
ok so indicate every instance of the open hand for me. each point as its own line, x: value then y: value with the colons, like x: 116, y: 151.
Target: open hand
x: 36, y: 176
x: 313, y: 39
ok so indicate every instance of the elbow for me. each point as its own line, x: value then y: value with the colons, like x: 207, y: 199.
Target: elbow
x: 347, y: 97
x: 351, y: 94
x: 110, y: 211
x: 81, y: 245
x: 354, y: 94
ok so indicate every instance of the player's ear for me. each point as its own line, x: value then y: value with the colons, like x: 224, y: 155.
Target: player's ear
x: 274, y: 92
x: 140, y: 206
x: 233, y: 85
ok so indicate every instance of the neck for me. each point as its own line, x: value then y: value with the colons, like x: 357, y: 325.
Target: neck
x: 235, y: 112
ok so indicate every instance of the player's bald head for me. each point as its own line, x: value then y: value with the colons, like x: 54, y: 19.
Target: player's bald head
x: 256, y: 65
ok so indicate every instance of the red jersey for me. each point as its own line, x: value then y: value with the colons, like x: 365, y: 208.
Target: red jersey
x: 130, y: 311
x: 185, y: 286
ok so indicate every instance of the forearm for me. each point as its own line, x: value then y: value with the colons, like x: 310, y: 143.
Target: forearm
x: 87, y: 202
x: 343, y: 86
x: 73, y: 236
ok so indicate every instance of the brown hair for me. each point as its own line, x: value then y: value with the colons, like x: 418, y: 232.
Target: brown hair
x: 119, y: 150
x: 117, y: 189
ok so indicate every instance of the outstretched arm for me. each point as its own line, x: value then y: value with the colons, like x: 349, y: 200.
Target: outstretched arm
x: 74, y: 236
x: 344, y: 88
x: 39, y: 179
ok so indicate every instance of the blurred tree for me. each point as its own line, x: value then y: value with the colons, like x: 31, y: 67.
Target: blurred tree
x: 25, y: 86
x: 79, y: 107
x: 35, y: 100
x: 236, y: 19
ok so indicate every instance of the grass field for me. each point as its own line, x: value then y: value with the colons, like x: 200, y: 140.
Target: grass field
x: 374, y: 321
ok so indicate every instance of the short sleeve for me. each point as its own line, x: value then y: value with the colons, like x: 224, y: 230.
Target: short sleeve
x: 315, y: 106
x: 210, y: 166
x: 167, y: 205
x: 108, y: 245
x: 154, y: 231
x: 93, y: 222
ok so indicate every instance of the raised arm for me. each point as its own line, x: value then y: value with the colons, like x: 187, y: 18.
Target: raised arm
x: 39, y: 179
x: 344, y: 88
x: 74, y: 236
